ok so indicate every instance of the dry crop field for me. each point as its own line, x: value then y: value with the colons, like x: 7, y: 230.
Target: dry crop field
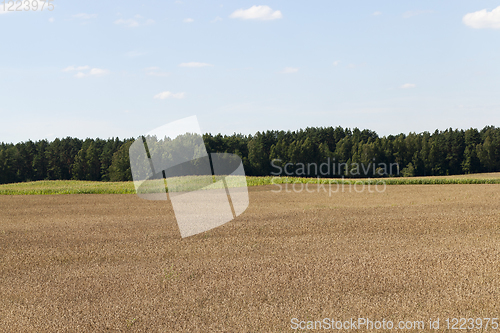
x: 104, y: 262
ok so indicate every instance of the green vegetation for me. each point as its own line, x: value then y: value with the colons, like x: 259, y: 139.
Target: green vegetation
x: 93, y: 187
x: 449, y: 152
x: 68, y: 187
x: 491, y: 178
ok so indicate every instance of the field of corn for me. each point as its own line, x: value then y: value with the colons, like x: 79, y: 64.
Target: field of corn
x: 91, y: 187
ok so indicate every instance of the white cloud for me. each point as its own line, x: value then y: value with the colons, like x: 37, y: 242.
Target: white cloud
x: 195, y: 64
x: 483, y: 19
x: 408, y: 86
x: 137, y: 21
x: 257, y: 13
x: 98, y: 72
x: 218, y: 18
x: 155, y: 71
x: 168, y: 94
x: 84, y: 71
x: 289, y: 70
x: 336, y: 63
x: 75, y: 68
x: 163, y: 74
x: 188, y: 20
x: 377, y: 13
x: 85, y: 16
x: 131, y: 23
x: 51, y: 20
x: 411, y: 13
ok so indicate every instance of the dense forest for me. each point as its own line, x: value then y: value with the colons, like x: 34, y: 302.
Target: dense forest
x: 448, y: 152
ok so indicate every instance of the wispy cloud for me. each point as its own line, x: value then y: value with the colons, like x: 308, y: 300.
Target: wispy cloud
x: 135, y: 22
x: 51, y: 20
x: 75, y: 68
x: 131, y: 23
x: 257, y: 13
x: 408, y: 86
x: 155, y: 71
x: 98, y: 72
x: 377, y: 13
x: 483, y: 19
x: 195, y: 64
x: 84, y: 16
x: 188, y: 20
x: 168, y: 94
x: 163, y: 74
x: 289, y: 70
x: 218, y: 18
x: 84, y: 71
x: 336, y: 63
x: 412, y: 13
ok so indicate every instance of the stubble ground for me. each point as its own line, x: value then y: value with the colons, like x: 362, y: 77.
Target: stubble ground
x: 78, y: 263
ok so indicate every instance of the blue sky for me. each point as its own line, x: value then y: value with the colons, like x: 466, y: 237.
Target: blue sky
x: 121, y: 68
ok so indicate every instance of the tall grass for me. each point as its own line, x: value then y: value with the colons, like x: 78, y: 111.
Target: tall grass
x: 255, y: 181
x: 67, y: 187
x: 48, y: 187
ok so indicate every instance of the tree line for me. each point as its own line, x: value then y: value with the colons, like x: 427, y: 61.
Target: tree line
x: 449, y: 152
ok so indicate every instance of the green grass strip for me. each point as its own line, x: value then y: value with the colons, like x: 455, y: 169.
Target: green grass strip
x: 51, y: 187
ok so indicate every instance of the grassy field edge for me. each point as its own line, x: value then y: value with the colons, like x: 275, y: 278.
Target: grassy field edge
x: 51, y: 187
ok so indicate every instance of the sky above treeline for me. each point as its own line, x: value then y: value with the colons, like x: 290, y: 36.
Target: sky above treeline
x: 122, y: 68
